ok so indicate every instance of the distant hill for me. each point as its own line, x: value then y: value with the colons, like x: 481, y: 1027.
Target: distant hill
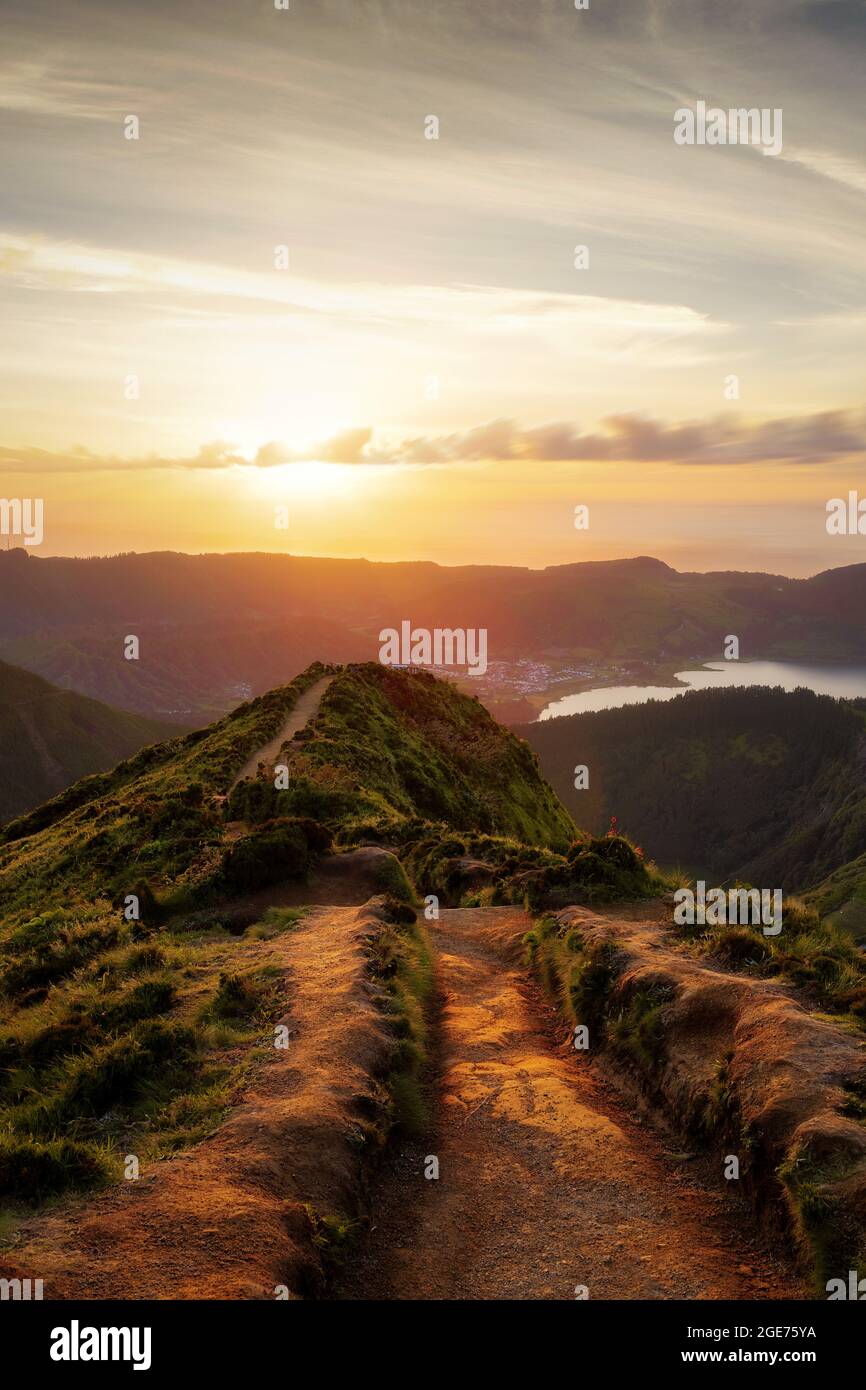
x: 216, y: 629
x: 50, y: 738
x: 761, y: 784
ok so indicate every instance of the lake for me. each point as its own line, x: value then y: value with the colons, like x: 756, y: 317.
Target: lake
x: 845, y: 681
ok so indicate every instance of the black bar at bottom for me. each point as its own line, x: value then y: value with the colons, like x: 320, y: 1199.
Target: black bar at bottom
x: 265, y: 1339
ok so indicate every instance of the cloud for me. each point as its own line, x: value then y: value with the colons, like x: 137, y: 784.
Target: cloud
x: 79, y: 460
x: 851, y: 173
x: 34, y: 89
x: 347, y: 447
x: 640, y: 439
x: 626, y: 438
x: 607, y: 325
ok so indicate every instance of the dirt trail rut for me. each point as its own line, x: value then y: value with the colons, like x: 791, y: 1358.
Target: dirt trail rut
x: 306, y: 708
x: 546, y: 1182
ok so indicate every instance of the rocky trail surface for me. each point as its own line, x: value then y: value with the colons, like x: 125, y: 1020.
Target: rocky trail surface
x: 548, y: 1182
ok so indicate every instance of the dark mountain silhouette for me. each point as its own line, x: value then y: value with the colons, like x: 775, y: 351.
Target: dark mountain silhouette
x: 215, y: 629
x: 51, y: 737
x: 758, y: 784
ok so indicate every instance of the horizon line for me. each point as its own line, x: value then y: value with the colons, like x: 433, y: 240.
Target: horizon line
x: 434, y: 564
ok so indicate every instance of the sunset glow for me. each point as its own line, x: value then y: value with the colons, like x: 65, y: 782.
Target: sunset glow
x: 434, y: 348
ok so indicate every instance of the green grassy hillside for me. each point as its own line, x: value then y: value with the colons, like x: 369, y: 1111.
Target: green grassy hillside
x: 128, y: 1009
x: 760, y: 784
x: 408, y: 761
x: 840, y: 898
x: 50, y: 738
x: 389, y: 745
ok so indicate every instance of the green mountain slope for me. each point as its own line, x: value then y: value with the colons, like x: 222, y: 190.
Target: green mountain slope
x: 128, y: 1010
x: 51, y: 737
x: 760, y: 784
x: 841, y: 897
x: 385, y: 747
x: 388, y: 745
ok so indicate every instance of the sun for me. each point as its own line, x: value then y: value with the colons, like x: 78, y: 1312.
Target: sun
x: 313, y: 479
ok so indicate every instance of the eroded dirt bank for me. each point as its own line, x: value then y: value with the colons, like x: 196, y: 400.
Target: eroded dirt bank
x: 737, y: 1058
x: 545, y: 1181
x: 230, y: 1218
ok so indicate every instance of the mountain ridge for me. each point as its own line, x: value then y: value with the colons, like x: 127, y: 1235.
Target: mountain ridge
x: 217, y: 629
x: 124, y: 894
x: 51, y: 737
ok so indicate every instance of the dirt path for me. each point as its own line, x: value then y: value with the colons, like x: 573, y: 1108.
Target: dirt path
x: 306, y: 709
x: 546, y: 1182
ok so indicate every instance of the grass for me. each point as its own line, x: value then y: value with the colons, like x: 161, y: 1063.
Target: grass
x: 402, y: 962
x: 33, y: 1171
x: 192, y: 1115
x: 443, y: 861
x: 276, y: 921
x: 136, y: 1051
x: 242, y: 997
x: 816, y: 957
x: 636, y: 1033
x: 390, y: 877
x: 119, y: 1034
x: 388, y: 746
x: 718, y: 1115
x: 854, y: 1104
x: 579, y: 975
x: 822, y: 1223
x: 129, y: 1027
x: 334, y: 1237
x: 117, y: 1074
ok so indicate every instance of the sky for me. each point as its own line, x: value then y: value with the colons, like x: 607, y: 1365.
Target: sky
x: 283, y: 318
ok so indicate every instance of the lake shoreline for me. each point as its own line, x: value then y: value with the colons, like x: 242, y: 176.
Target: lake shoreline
x: 825, y: 678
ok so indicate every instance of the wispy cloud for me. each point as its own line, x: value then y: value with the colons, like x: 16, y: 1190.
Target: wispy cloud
x: 77, y: 459
x: 34, y: 88
x: 622, y: 438
x: 849, y: 172
x: 808, y: 439
x: 40, y: 263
